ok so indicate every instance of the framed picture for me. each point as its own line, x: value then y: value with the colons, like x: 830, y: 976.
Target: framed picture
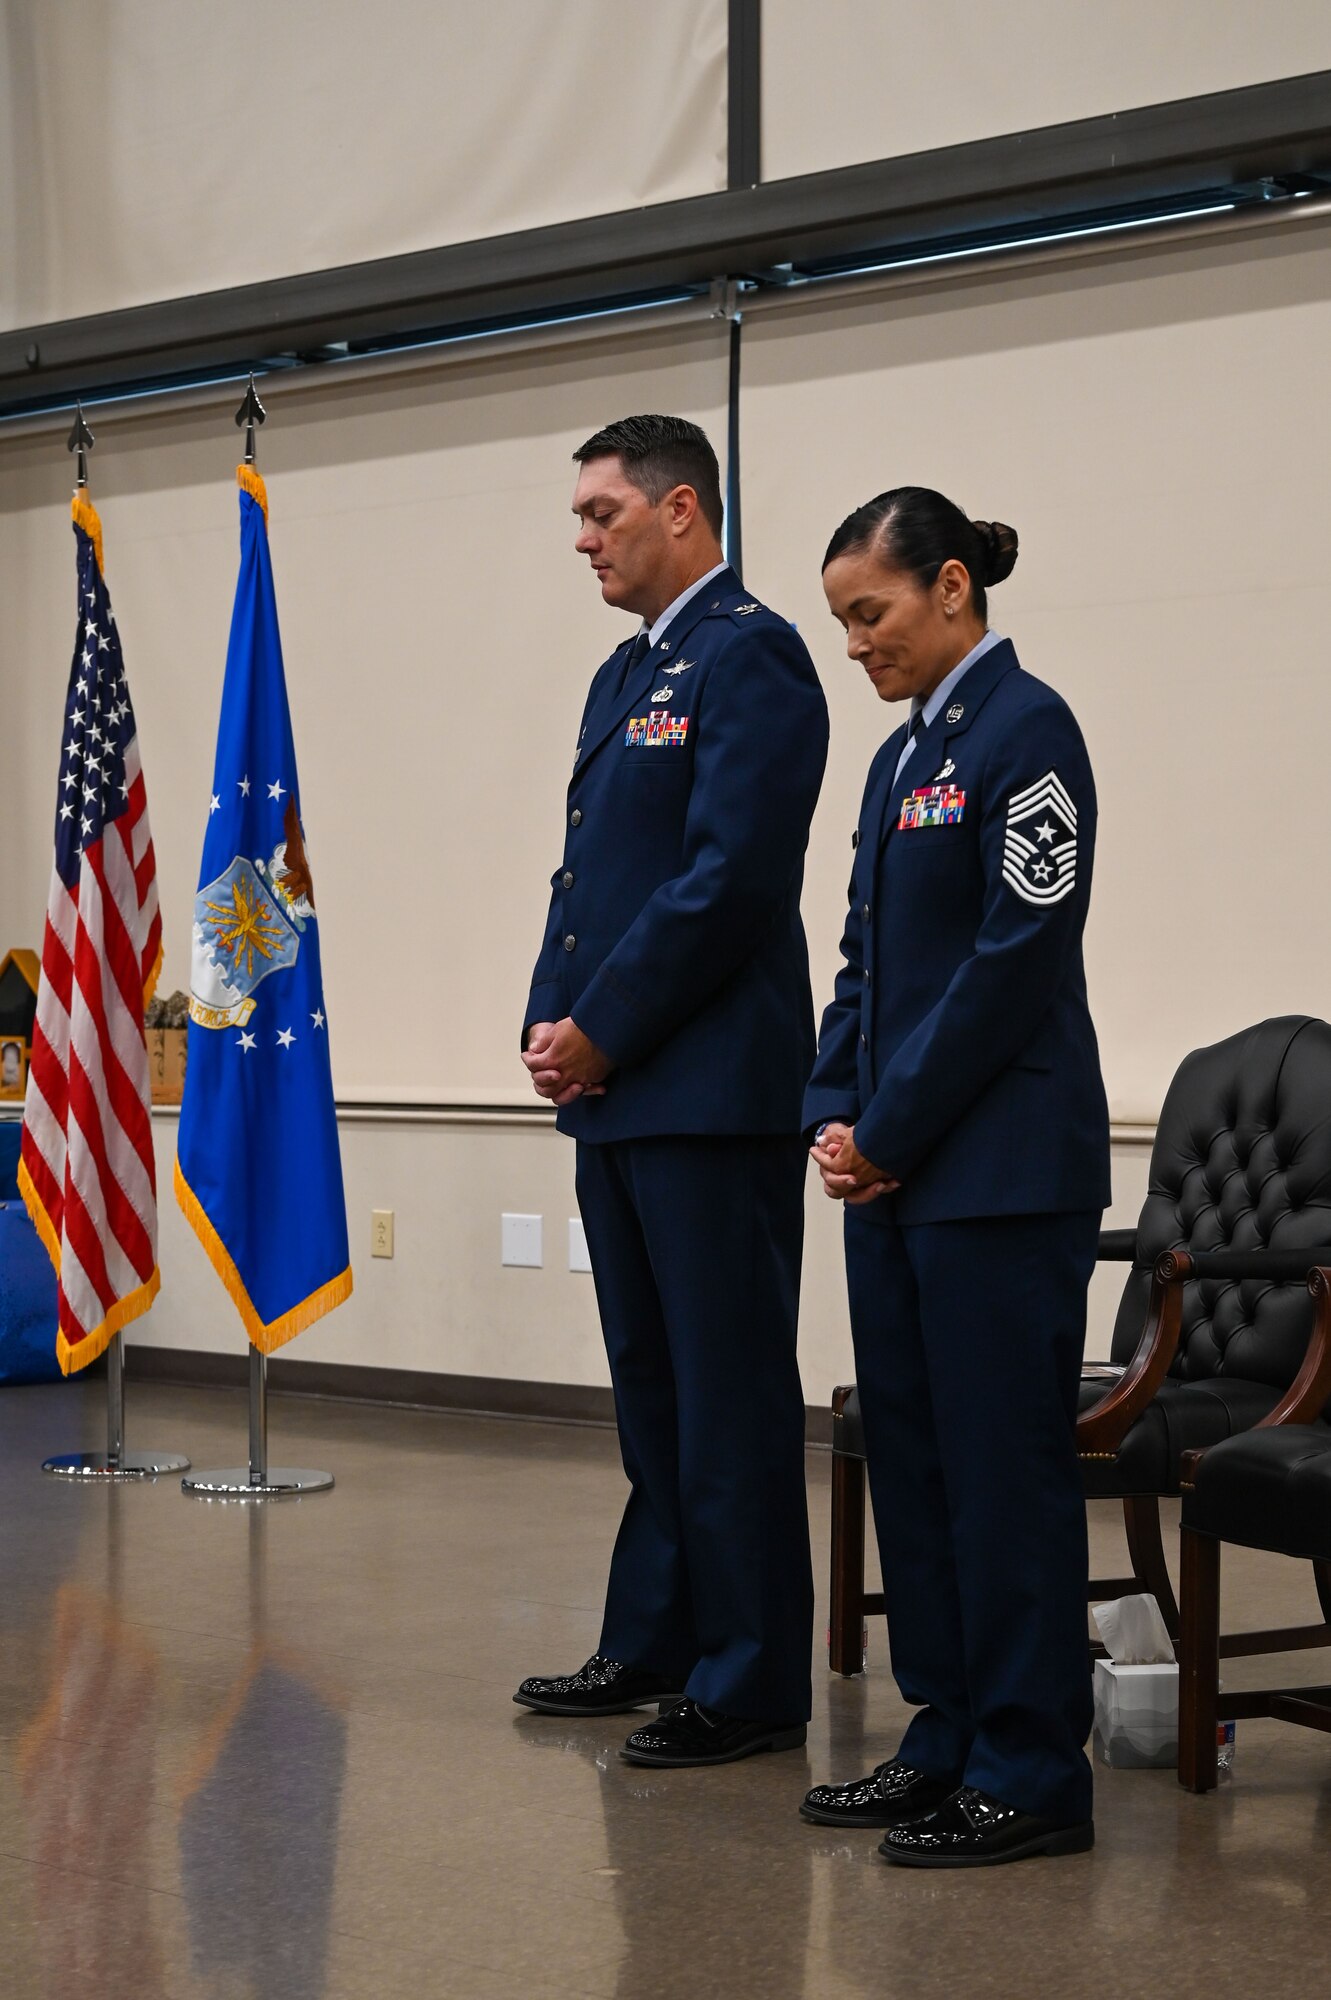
x: 13, y: 1066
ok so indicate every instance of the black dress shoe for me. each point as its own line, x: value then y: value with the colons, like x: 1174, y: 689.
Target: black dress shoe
x: 971, y: 1830
x: 602, y: 1687
x: 691, y: 1734
x: 892, y: 1792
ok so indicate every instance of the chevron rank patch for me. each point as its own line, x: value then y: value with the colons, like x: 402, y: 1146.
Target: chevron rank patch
x: 1040, y: 842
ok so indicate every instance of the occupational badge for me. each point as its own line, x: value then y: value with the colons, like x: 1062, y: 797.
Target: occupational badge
x: 932, y: 805
x: 663, y: 694
x: 946, y: 772
x: 1040, y: 842
x: 743, y: 610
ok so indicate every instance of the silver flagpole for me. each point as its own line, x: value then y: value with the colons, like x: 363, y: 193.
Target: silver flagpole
x: 257, y: 1480
x: 115, y: 1462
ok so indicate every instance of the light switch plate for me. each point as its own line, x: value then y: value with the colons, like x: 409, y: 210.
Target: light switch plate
x: 520, y: 1241
x: 579, y: 1256
x: 381, y: 1232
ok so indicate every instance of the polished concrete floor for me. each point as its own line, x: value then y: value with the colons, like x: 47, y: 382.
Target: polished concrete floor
x: 270, y: 1751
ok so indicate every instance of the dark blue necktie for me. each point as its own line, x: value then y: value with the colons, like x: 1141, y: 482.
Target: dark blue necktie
x: 636, y: 654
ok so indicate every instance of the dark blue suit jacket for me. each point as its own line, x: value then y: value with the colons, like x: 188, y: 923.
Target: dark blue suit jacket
x: 674, y: 936
x: 959, y: 1043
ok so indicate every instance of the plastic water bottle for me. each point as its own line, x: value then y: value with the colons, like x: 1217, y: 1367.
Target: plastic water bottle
x: 1224, y: 1748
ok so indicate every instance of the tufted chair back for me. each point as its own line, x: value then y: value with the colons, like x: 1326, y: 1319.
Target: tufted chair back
x: 1242, y: 1161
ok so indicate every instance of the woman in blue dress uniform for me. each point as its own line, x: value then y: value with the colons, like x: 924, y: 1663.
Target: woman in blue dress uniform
x: 958, y: 1112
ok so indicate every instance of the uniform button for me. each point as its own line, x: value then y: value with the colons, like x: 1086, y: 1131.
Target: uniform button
x: 575, y: 817
x: 864, y: 1041
x: 867, y: 980
x: 855, y: 838
x: 864, y: 912
x: 569, y: 942
x: 567, y: 878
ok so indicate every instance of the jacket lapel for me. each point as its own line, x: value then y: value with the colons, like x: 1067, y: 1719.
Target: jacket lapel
x: 612, y: 711
x: 936, y: 745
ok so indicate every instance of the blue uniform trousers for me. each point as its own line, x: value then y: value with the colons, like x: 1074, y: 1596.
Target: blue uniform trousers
x: 696, y: 1245
x: 968, y: 1349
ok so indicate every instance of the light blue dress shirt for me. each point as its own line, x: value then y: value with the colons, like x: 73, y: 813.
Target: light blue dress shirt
x: 663, y: 621
x: 943, y: 693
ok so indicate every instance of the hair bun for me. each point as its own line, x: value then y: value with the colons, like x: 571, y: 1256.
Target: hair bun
x: 1000, y: 549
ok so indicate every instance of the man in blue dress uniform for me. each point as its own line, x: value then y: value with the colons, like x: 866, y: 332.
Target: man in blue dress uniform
x: 671, y: 1021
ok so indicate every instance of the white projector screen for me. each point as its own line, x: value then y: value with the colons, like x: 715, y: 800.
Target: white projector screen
x: 898, y: 77
x: 152, y: 151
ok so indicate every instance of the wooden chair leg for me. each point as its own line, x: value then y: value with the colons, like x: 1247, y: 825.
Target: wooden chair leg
x: 845, y: 1642
x: 1322, y: 1578
x: 1146, y: 1549
x: 1199, y: 1662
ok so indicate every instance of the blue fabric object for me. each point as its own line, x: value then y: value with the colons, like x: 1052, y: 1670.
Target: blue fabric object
x: 11, y: 1136
x: 959, y: 1043
x: 674, y: 937
x: 258, y: 1147
x: 28, y: 1307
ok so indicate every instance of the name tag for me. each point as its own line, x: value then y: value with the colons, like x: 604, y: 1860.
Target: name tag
x: 656, y: 732
x: 932, y: 805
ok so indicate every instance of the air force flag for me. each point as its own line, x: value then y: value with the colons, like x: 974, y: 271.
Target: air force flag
x: 258, y: 1173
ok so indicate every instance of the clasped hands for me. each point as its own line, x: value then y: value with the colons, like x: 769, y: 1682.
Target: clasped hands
x: 562, y: 1063
x: 847, y: 1175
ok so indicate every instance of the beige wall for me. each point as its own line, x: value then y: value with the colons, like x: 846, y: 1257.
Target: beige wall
x: 438, y: 632
x: 1150, y: 423
x: 857, y: 82
x: 150, y: 151
x: 445, y: 1303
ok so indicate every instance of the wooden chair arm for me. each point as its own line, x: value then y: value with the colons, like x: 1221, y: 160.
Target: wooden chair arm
x: 1309, y: 1392
x: 1102, y: 1430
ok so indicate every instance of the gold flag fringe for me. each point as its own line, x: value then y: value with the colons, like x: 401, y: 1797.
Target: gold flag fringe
x: 75, y: 1354
x: 85, y: 516
x: 150, y: 983
x: 249, y: 481
x: 266, y: 1335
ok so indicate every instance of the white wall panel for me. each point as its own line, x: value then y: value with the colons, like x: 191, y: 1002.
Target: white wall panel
x: 1152, y: 427
x: 854, y: 81
x: 151, y: 150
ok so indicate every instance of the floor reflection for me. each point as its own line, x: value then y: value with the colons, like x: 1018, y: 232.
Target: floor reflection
x: 259, y: 1831
x: 688, y: 1875
x: 87, y: 1769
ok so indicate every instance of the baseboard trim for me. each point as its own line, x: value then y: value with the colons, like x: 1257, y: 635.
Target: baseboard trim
x: 403, y: 1388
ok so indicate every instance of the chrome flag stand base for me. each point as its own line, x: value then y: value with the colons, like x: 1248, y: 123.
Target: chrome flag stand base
x: 115, y: 1462
x: 257, y: 1480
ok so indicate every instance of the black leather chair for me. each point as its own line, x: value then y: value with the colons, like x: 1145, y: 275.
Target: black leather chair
x: 1270, y: 1489
x: 1214, y: 1321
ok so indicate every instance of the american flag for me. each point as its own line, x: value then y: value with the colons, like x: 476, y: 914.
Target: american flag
x: 87, y: 1160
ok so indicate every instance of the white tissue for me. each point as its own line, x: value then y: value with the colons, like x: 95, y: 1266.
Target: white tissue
x: 1133, y: 1632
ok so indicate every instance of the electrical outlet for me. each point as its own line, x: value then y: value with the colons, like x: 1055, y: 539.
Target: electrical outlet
x: 520, y: 1241
x: 381, y: 1232
x: 579, y: 1256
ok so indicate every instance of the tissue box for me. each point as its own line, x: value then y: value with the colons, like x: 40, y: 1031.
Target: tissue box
x: 1136, y: 1716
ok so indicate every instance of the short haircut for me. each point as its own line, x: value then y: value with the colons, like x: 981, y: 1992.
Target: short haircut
x: 660, y: 453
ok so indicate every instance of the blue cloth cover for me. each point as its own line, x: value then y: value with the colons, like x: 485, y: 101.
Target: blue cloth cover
x: 27, y: 1282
